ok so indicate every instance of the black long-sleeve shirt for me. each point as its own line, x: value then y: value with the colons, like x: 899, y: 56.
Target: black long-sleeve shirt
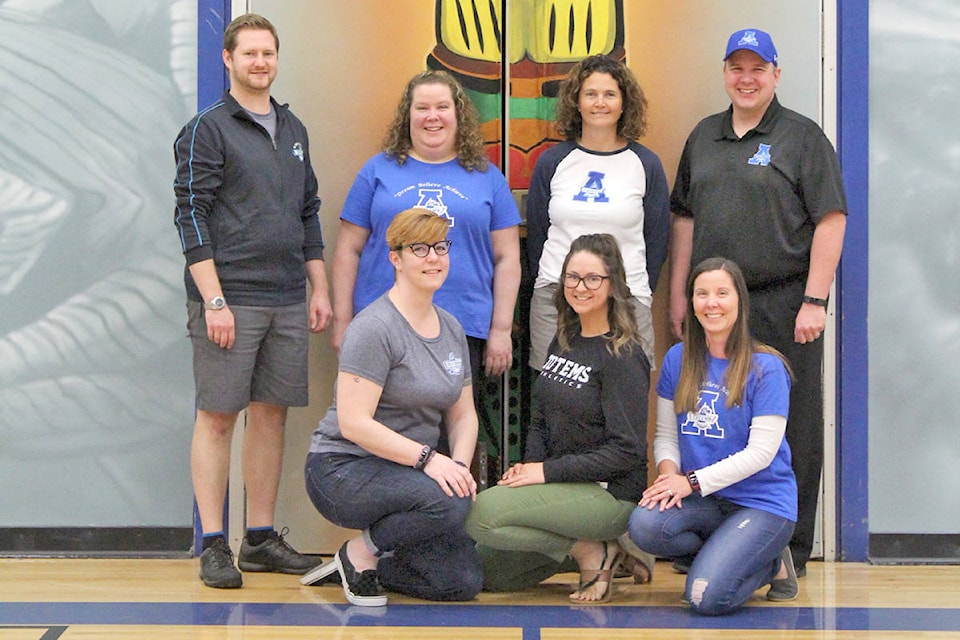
x: 589, y: 420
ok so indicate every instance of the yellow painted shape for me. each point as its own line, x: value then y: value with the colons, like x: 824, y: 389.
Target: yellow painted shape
x: 580, y: 28
x: 531, y: 33
x: 478, y: 26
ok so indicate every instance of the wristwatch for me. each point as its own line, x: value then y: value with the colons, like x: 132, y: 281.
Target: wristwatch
x: 692, y: 479
x: 215, y: 304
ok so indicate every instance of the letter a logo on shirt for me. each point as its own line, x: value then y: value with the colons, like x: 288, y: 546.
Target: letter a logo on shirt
x: 432, y: 199
x: 762, y: 156
x: 592, y: 189
x: 705, y: 421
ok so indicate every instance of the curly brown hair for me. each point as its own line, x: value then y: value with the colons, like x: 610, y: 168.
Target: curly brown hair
x: 469, y: 141
x: 633, y: 120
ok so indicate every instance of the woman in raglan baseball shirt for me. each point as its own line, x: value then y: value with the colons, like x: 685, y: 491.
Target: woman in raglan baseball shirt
x: 598, y: 180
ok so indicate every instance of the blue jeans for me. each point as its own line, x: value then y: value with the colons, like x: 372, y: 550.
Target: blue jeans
x: 737, y: 548
x: 416, y: 529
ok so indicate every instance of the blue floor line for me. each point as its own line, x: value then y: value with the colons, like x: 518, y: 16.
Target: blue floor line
x: 529, y: 618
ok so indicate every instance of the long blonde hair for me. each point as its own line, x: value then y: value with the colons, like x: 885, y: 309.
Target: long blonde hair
x: 739, y: 349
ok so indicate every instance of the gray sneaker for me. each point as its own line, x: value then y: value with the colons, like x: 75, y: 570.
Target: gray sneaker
x: 216, y: 567
x: 785, y: 589
x: 276, y: 556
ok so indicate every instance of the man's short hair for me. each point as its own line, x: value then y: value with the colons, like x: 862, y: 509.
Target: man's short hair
x: 247, y: 21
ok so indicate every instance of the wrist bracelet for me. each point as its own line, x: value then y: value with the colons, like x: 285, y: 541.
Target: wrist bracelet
x: 462, y: 464
x: 425, y: 454
x: 820, y: 302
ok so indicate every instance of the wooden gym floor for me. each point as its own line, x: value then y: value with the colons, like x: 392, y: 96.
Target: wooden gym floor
x: 74, y: 599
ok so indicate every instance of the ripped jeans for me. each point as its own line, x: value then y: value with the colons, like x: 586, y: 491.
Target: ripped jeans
x: 737, y: 548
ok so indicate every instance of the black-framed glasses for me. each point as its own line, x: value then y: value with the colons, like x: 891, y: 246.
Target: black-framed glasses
x: 421, y: 249
x: 592, y: 281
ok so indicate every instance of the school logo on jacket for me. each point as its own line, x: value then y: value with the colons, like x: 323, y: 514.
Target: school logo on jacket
x: 453, y: 364
x: 593, y: 189
x: 762, y: 156
x: 297, y: 151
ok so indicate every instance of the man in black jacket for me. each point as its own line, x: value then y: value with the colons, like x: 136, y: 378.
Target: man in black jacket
x: 247, y: 217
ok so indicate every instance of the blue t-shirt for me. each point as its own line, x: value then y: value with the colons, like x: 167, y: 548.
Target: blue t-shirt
x: 716, y: 431
x: 475, y: 203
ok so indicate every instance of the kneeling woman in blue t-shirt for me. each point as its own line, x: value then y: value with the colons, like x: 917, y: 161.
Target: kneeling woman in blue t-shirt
x: 726, y: 492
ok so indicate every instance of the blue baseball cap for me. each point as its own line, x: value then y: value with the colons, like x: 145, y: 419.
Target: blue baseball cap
x: 754, y: 40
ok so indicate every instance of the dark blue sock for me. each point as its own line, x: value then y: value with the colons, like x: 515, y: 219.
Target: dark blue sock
x: 258, y: 535
x: 210, y: 538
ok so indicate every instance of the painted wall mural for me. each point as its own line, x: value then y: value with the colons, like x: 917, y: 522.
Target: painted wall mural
x: 544, y: 39
x: 96, y: 394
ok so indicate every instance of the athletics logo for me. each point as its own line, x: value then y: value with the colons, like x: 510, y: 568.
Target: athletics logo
x: 593, y: 189
x: 453, y: 364
x: 566, y: 372
x: 749, y: 39
x: 432, y: 199
x: 297, y: 151
x: 762, y: 156
x: 704, y: 421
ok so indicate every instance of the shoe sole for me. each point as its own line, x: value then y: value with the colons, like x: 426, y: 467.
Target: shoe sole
x: 319, y: 574
x: 252, y: 567
x: 360, y: 601
x: 223, y: 584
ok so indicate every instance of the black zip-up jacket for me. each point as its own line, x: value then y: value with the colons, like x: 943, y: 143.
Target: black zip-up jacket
x: 247, y: 202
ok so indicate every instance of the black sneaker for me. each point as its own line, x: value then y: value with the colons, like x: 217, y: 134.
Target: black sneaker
x: 216, y: 567
x: 361, y: 588
x: 274, y: 555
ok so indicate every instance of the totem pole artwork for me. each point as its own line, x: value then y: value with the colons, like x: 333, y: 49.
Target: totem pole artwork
x: 544, y: 38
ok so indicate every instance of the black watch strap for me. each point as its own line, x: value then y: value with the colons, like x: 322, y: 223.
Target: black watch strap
x: 820, y: 302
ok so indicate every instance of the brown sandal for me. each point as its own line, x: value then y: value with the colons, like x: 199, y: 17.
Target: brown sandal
x: 590, y: 577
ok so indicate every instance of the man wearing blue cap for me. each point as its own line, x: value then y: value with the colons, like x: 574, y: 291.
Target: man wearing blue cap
x: 760, y: 184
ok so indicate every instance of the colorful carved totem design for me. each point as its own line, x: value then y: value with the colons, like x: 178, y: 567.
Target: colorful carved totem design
x: 544, y: 39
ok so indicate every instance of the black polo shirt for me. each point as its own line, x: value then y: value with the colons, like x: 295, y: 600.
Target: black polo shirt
x: 757, y: 199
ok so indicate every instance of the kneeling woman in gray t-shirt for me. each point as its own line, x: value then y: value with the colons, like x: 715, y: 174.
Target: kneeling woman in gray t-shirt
x: 404, y: 369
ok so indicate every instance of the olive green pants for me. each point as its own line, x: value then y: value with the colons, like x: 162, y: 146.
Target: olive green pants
x: 525, y: 534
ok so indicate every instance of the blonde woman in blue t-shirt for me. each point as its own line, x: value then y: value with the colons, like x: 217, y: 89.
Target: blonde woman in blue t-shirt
x: 726, y: 495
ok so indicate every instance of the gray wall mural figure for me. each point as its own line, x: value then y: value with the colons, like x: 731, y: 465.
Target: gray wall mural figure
x: 96, y: 394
